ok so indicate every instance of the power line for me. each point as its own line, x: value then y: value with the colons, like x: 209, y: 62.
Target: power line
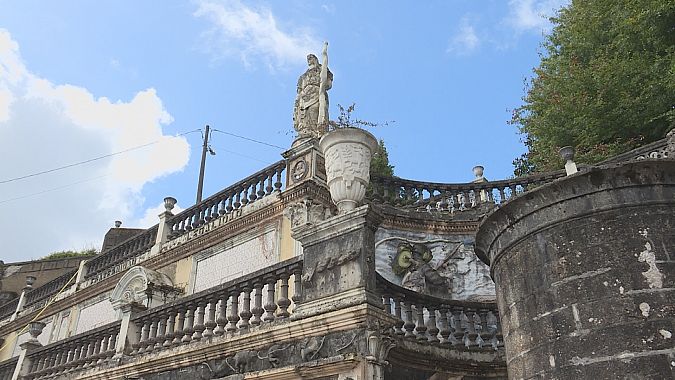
x: 88, y: 161
x: 53, y: 189
x: 249, y: 139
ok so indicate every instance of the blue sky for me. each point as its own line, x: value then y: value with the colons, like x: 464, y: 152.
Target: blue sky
x: 82, y: 79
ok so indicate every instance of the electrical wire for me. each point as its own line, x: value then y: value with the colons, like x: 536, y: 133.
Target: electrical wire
x: 89, y: 160
x: 249, y: 139
x: 53, y: 189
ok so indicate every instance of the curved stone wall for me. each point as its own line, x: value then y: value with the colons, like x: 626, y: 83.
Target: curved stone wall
x: 585, y: 274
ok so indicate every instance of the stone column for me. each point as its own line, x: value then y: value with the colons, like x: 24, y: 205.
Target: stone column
x: 23, y: 363
x: 585, y: 274
x: 339, y: 262
x: 128, y: 330
x: 163, y: 228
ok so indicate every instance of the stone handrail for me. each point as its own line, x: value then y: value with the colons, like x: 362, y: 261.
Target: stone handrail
x: 40, y: 295
x: 7, y: 368
x: 233, y: 306
x: 8, y: 308
x: 428, y: 319
x: 130, y: 248
x: 657, y: 149
x: 71, y: 354
x: 452, y: 197
x: 230, y: 199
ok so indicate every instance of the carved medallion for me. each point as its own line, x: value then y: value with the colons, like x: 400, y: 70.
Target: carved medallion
x: 299, y: 170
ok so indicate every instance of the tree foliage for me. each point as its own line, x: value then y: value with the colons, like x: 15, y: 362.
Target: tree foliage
x: 379, y: 165
x: 67, y: 254
x: 605, y: 84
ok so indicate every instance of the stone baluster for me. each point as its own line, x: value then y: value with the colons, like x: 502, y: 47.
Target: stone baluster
x: 421, y: 328
x: 230, y: 204
x: 136, y: 345
x: 237, y: 197
x: 253, y: 196
x: 269, y: 188
x: 245, y: 313
x: 445, y: 326
x: 458, y: 331
x: 270, y: 305
x: 278, y: 183
x: 409, y: 325
x: 170, y: 327
x: 398, y: 326
x: 257, y: 309
x: 222, y: 206
x: 471, y: 327
x: 152, y: 335
x: 210, y: 323
x: 222, y: 314
x: 161, y: 332
x: 261, y: 187
x: 386, y: 301
x: 111, y: 344
x: 233, y: 316
x: 101, y: 354
x: 91, y: 356
x: 244, y: 198
x: 145, y: 333
x: 178, y: 329
x: 432, y: 328
x: 283, y: 302
x: 188, y: 329
x: 297, y: 285
x: 199, y: 321
x: 485, y: 334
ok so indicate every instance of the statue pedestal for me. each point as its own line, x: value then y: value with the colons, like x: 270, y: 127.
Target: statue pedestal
x: 304, y: 162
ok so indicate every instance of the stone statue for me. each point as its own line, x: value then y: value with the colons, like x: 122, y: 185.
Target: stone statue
x: 310, y: 113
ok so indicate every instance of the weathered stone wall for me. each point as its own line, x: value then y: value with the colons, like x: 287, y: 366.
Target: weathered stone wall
x: 585, y: 274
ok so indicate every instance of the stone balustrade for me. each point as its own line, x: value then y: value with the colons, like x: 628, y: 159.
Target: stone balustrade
x: 234, y: 306
x: 8, y: 308
x: 7, y: 368
x: 229, y: 200
x: 656, y: 150
x: 427, y: 319
x: 443, y: 197
x: 75, y: 353
x: 38, y: 297
x: 128, y: 250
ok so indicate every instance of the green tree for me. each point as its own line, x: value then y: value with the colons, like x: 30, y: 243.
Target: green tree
x: 605, y: 84
x: 379, y: 165
x: 67, y: 254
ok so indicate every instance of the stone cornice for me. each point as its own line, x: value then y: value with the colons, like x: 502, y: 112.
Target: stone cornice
x: 423, y: 222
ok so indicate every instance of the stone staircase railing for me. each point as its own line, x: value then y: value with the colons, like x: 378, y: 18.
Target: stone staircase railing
x: 38, y: 297
x: 250, y: 189
x: 444, y: 197
x: 233, y: 306
x: 657, y: 149
x: 129, y: 249
x: 7, y: 368
x: 75, y: 353
x: 427, y: 319
x: 8, y: 308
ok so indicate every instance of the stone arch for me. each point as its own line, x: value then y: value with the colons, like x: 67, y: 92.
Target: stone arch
x: 131, y: 288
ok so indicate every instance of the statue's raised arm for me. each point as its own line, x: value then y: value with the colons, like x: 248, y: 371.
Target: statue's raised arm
x: 310, y: 114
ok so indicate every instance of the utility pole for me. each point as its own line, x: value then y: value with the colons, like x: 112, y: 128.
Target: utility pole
x: 205, y: 147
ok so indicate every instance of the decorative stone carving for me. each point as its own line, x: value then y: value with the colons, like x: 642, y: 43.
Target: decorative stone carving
x: 329, y: 262
x: 242, y: 360
x: 452, y: 272
x: 140, y: 285
x: 306, y: 212
x: 348, y: 152
x: 310, y: 347
x: 273, y: 354
x: 312, y: 97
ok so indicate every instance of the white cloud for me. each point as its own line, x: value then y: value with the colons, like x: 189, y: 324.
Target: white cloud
x: 465, y: 41
x: 151, y: 216
x: 44, y: 125
x: 253, y: 34
x: 533, y: 15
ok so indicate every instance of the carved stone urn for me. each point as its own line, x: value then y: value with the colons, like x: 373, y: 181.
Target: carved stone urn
x: 347, y: 152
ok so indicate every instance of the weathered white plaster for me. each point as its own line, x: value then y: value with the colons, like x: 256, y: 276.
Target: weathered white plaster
x: 653, y: 276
